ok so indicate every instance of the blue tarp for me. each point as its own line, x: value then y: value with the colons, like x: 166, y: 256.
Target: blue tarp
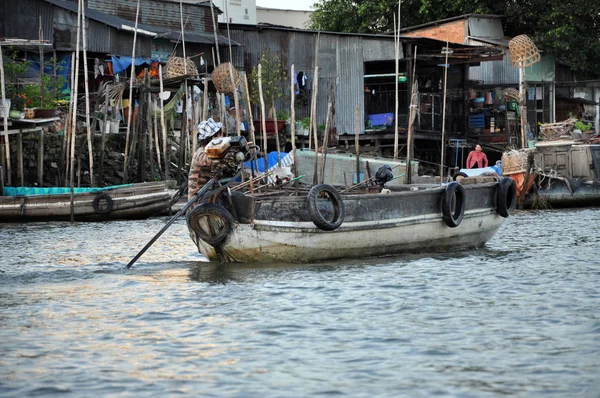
x: 123, y: 62
x: 63, y: 68
x: 32, y: 191
x: 260, y: 163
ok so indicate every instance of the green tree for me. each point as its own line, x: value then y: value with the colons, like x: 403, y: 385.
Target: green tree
x: 273, y: 78
x: 569, y: 30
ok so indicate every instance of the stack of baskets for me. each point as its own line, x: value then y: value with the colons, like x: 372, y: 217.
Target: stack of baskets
x: 514, y: 162
x: 177, y: 66
x: 554, y: 131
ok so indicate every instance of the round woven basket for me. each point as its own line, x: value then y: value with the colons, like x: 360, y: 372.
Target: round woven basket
x: 222, y: 79
x: 523, y: 52
x: 177, y: 66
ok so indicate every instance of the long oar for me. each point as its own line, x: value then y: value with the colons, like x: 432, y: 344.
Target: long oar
x: 200, y: 193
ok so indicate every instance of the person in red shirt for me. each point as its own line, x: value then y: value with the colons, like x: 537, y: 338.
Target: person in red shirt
x: 477, y: 157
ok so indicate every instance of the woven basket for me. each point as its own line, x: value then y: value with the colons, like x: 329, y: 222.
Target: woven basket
x: 176, y: 66
x: 222, y: 79
x: 511, y: 93
x: 514, y: 162
x: 523, y: 52
x: 553, y: 131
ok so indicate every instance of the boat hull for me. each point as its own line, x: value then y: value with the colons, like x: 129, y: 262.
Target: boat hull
x: 134, y: 202
x: 305, y: 243
x: 376, y: 225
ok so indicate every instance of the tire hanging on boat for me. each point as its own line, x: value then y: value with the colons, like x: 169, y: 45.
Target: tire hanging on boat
x: 338, y: 207
x: 453, y: 204
x: 211, y: 222
x: 506, y: 196
x: 102, y: 203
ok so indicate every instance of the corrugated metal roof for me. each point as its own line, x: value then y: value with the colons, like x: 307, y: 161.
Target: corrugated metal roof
x: 110, y: 20
x: 143, y: 29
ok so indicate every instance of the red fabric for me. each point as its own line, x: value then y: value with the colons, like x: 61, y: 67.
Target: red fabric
x: 478, y: 158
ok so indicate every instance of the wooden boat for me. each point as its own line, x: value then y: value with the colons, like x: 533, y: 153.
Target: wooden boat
x: 327, y: 225
x: 567, y: 174
x: 131, y: 201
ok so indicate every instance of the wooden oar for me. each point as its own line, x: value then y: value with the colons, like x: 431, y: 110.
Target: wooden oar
x: 208, y: 186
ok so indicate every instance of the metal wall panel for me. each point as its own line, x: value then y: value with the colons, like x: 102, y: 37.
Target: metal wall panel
x: 21, y: 19
x: 495, y: 72
x: 380, y: 49
x: 341, y: 61
x: 490, y: 28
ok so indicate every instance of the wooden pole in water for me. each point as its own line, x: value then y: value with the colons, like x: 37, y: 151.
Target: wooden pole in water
x: 396, y: 56
x: 523, y: 107
x: 105, y: 129
x: 236, y: 98
x: 87, y: 98
x: 325, y: 142
x: 131, y: 79
x: 276, y: 135
x: 150, y: 130
x: 20, y: 158
x: 5, y: 120
x: 68, y: 124
x: 293, y: 121
x: 156, y: 136
x: 249, y: 109
x: 263, y: 121
x: 74, y: 115
x: 163, y: 124
x: 356, y: 144
x: 313, y: 124
x: 443, y: 157
x: 411, y: 115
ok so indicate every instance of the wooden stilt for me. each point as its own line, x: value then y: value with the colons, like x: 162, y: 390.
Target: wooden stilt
x: 325, y: 142
x: 263, y: 117
x: 356, y: 144
x: 249, y: 110
x: 293, y: 123
x: 74, y: 115
x: 276, y: 136
x: 5, y: 120
x: 411, y: 116
x: 105, y: 128
x: 40, y: 159
x: 131, y: 79
x: 156, y: 136
x: 443, y: 157
x: 90, y: 137
x: 166, y: 151
x: 20, y: 159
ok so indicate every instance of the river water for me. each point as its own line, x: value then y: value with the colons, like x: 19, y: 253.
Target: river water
x: 520, y: 317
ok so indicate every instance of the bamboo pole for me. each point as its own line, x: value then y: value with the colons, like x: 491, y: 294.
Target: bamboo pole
x: 41, y: 49
x: 183, y: 36
x: 131, y: 79
x: 150, y: 130
x: 5, y: 120
x: 105, y: 128
x: 411, y: 116
x: 523, y: 107
x: 156, y: 136
x: 263, y: 117
x: 443, y: 157
x: 68, y: 124
x: 205, y: 100
x: 212, y: 14
x: 194, y: 124
x: 87, y: 98
x: 20, y: 158
x: 163, y: 124
x: 356, y: 144
x: 293, y: 122
x: 74, y: 115
x: 236, y: 100
x: 396, y: 56
x: 274, y: 110
x: 314, y: 125
x: 40, y: 156
x: 249, y: 109
x: 325, y: 142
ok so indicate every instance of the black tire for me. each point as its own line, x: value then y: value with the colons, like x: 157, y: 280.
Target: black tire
x: 338, y: 207
x: 459, y: 176
x: 102, y: 203
x: 506, y: 196
x: 210, y: 210
x: 453, y: 204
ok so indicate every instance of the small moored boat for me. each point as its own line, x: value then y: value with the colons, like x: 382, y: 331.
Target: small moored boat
x: 130, y: 201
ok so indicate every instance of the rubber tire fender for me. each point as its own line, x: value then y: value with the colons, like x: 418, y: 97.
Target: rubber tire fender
x: 454, y: 193
x: 506, y: 196
x: 338, y: 206
x: 214, y: 210
x: 99, y: 199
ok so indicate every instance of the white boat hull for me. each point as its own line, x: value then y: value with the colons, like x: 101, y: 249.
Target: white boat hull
x: 303, y: 242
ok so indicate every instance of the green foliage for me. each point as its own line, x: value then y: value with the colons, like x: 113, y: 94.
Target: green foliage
x: 282, y: 115
x: 305, y: 122
x: 569, y: 30
x: 274, y: 80
x: 579, y: 125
